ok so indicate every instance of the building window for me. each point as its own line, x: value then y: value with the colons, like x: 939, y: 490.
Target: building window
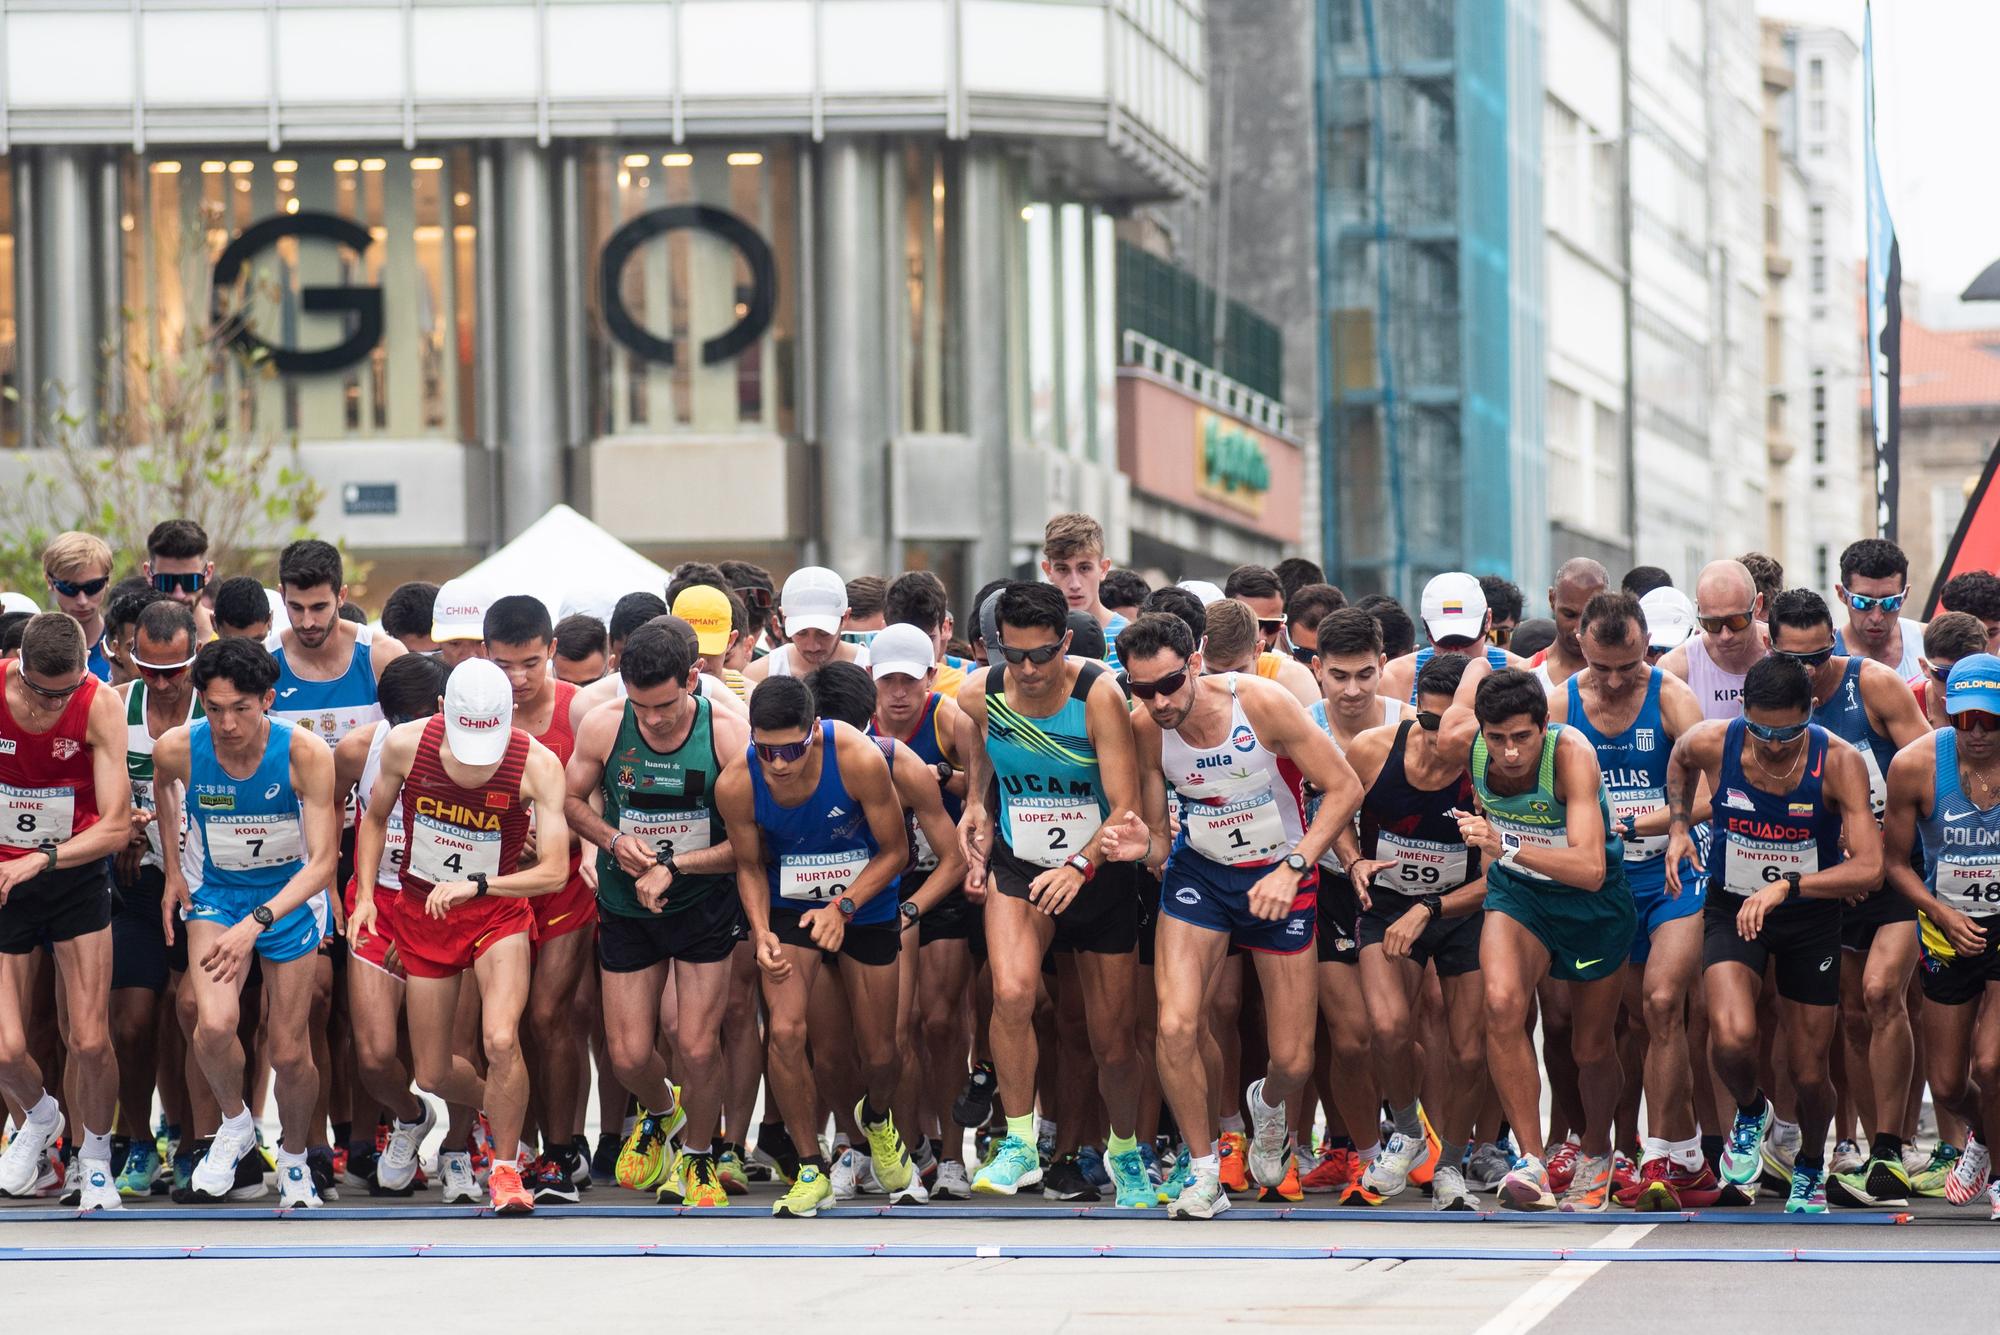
x: 1819, y: 442
x: 691, y: 286
x: 1819, y: 115
x: 1816, y: 75
x: 416, y: 381
x: 1823, y: 570
x: 930, y: 354
x: 1818, y: 231
x: 1818, y: 274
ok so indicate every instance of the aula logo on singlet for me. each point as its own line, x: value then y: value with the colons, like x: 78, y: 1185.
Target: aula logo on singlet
x: 1219, y: 762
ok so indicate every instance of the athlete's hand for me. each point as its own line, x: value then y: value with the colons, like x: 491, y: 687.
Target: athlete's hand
x: 361, y: 922
x: 225, y: 959
x: 125, y: 866
x: 1271, y: 898
x: 587, y: 869
x: 1750, y: 918
x: 828, y: 926
x: 1055, y: 889
x: 652, y: 888
x: 173, y: 902
x: 448, y: 896
x: 1680, y: 846
x: 24, y: 868
x: 634, y: 854
x: 770, y: 958
x: 1402, y: 935
x: 975, y: 839
x: 1363, y: 871
x: 1967, y: 937
x: 1125, y: 839
x: 528, y: 855
x: 1478, y: 832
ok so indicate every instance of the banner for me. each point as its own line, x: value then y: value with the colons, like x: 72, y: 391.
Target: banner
x: 1976, y: 545
x: 1885, y: 307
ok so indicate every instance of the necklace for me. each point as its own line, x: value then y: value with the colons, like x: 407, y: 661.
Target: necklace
x: 1790, y: 770
x: 1980, y: 779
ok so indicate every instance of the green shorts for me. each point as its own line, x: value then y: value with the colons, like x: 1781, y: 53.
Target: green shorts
x: 1588, y: 934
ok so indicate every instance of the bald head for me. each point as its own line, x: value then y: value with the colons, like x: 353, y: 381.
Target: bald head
x: 1725, y: 587
x: 1579, y: 580
x: 1583, y: 573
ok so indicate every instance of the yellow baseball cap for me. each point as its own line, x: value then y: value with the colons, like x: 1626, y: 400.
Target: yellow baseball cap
x: 706, y: 608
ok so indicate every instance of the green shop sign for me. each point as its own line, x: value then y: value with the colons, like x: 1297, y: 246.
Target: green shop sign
x: 1230, y: 463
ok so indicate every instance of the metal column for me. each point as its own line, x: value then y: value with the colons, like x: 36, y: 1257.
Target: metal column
x: 532, y: 425
x: 854, y: 383
x: 65, y: 280
x: 987, y: 213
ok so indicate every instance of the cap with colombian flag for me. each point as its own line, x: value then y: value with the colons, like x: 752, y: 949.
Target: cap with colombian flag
x: 1454, y: 607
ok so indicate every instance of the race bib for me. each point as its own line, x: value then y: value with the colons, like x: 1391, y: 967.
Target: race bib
x: 1048, y: 831
x: 676, y: 832
x: 252, y: 843
x: 926, y: 856
x: 440, y: 852
x: 1423, y: 866
x: 816, y: 878
x: 1530, y: 837
x: 1630, y: 805
x: 395, y: 845
x: 1753, y: 864
x: 1878, y: 787
x: 1970, y: 887
x: 35, y: 817
x: 1243, y: 830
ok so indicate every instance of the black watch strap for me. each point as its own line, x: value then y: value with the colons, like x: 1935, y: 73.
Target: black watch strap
x: 1792, y: 885
x: 478, y: 880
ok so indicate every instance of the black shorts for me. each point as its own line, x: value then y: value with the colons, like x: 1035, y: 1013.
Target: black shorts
x: 1339, y: 919
x: 950, y: 920
x: 1859, y: 922
x: 1450, y: 943
x: 138, y: 940
x: 59, y: 905
x: 702, y: 933
x: 1103, y: 919
x: 1148, y: 899
x: 876, y: 945
x: 1802, y: 938
x: 1952, y: 979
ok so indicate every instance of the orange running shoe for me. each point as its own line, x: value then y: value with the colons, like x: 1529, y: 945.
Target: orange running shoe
x: 1420, y: 1176
x: 504, y: 1184
x: 1234, y: 1147
x: 1353, y: 1194
x: 1335, y: 1170
x: 1288, y: 1190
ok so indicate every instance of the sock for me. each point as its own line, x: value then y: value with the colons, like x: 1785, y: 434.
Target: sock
x: 1886, y: 1146
x: 1813, y: 1159
x: 1651, y: 1148
x: 811, y: 1161
x: 1785, y: 1133
x: 45, y: 1111
x: 935, y: 1146
x: 1118, y: 1144
x: 1408, y: 1123
x: 1369, y: 1155
x: 1754, y: 1108
x: 702, y: 1151
x: 286, y: 1159
x: 1340, y: 1142
x: 1022, y: 1128
x: 1453, y: 1154
x: 96, y: 1146
x: 1685, y: 1153
x: 1711, y: 1150
x: 625, y: 1127
x: 1234, y: 1122
x: 869, y: 1115
x: 242, y: 1122
x: 1206, y: 1165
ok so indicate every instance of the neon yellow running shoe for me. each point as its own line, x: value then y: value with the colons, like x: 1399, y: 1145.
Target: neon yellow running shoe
x: 807, y: 1195
x: 648, y: 1154
x: 885, y: 1146
x: 699, y: 1184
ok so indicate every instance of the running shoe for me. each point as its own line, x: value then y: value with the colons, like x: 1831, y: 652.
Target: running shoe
x: 1091, y: 1160
x: 185, y: 1155
x: 554, y: 1182
x: 358, y: 1170
x: 974, y: 1103
x: 396, y: 1165
x: 1878, y: 1182
x: 648, y: 1153
x: 1589, y: 1186
x: 1288, y: 1190
x: 604, y: 1160
x: 1526, y: 1187
x: 1204, y: 1198
x: 579, y: 1159
x: 1808, y: 1193
x: 97, y: 1189
x: 1487, y: 1166
x: 1993, y: 1196
x: 952, y: 1184
x: 509, y: 1195
x: 1624, y: 1174
x: 1695, y: 1188
x: 319, y: 1162
x: 1969, y: 1174
x: 296, y: 1190
x: 478, y: 1144
x: 1449, y: 1192
x: 461, y: 1184
x: 1177, y: 1179
x: 773, y: 1150
x: 142, y: 1170
x: 845, y: 1174
x: 1562, y: 1164
x: 700, y: 1186
x: 1270, y: 1157
x: 1232, y: 1148
x: 1915, y: 1158
x: 886, y: 1148
x: 729, y: 1171
x: 810, y: 1192
x: 216, y: 1176
x: 1931, y: 1178
x: 1013, y: 1165
x: 1132, y: 1184
x: 1743, y: 1152
x: 21, y: 1162
x: 1779, y: 1160
x: 1333, y: 1171
x: 1064, y: 1181
x: 1847, y: 1158
x: 1390, y: 1174
x: 1421, y: 1171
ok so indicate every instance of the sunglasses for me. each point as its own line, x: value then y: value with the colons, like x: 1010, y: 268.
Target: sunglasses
x: 754, y: 596
x: 1936, y: 673
x: 1270, y: 625
x: 1035, y: 656
x: 1499, y: 635
x: 191, y: 582
x: 1976, y: 720
x: 1429, y: 720
x: 1861, y: 602
x: 163, y: 671
x: 1734, y: 621
x: 57, y: 696
x: 89, y: 588
x: 1814, y: 658
x: 1764, y: 733
x: 1304, y: 654
x: 1167, y: 685
x: 786, y: 753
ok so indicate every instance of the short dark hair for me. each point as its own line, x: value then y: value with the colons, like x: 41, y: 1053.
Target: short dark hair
x: 744, y: 575
x: 310, y: 564
x: 240, y: 603
x: 1953, y: 636
x: 1612, y: 618
x: 1026, y: 604
x: 11, y: 626
x: 410, y: 610
x: 1086, y: 636
x: 1874, y: 558
x: 518, y: 618
x: 866, y: 595
x: 1310, y: 604
x: 1176, y: 601
x: 1642, y: 580
x: 1442, y: 674
x: 1801, y: 609
x: 176, y: 540
x: 1152, y: 632
x: 52, y: 644
x: 164, y: 621
x: 1123, y: 588
x: 241, y: 662
x: 688, y: 574
x: 353, y: 611
x: 129, y: 597
x: 1531, y: 637
x: 1295, y: 572
x: 679, y: 628
x: 1510, y: 693
x: 1777, y: 683
x: 633, y: 611
x: 1399, y: 633
x: 1765, y: 572
x: 844, y: 692
x: 780, y: 704
x: 977, y: 630
x: 1252, y: 581
x: 579, y: 635
x: 410, y: 687
x: 1974, y: 591
x: 654, y: 654
x: 916, y: 598
x: 1351, y: 630
x: 1503, y: 597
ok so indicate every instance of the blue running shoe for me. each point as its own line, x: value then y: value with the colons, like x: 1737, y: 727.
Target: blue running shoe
x: 1177, y: 1181
x: 142, y: 1166
x: 1134, y: 1183
x: 1808, y: 1191
x: 1014, y: 1165
x: 1091, y: 1160
x: 1743, y: 1154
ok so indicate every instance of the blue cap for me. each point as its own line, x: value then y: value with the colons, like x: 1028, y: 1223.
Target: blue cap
x: 1974, y: 683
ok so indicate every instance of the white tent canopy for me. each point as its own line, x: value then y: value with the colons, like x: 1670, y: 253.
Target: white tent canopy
x: 570, y: 564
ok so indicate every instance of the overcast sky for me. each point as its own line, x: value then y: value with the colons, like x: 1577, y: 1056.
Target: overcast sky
x: 1934, y: 81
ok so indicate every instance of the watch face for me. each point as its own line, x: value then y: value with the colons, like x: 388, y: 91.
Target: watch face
x: 1511, y: 842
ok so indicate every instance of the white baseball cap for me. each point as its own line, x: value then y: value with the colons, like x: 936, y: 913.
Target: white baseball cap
x: 18, y: 602
x: 478, y: 712
x: 901, y: 648
x: 1669, y: 617
x: 814, y: 598
x: 1203, y: 590
x: 460, y: 612
x: 1454, y: 607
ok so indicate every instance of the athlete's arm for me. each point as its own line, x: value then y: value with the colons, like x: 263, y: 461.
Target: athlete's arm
x: 1289, y: 731
x: 1696, y: 757
x: 1366, y: 755
x: 1680, y: 713
x: 1846, y: 786
x: 975, y: 825
x: 1578, y: 781
x: 730, y: 736
x: 1461, y: 725
x: 385, y: 650
x: 1109, y: 722
x: 590, y: 697
x: 736, y: 800
x: 581, y: 777
x: 542, y: 790
x: 1559, y: 702
x: 319, y: 820
x: 947, y: 725
x: 1141, y: 836
x: 1892, y: 708
x: 371, y: 832
x: 758, y: 669
x: 1298, y: 680
x: 865, y: 773
x: 918, y: 787
x: 1675, y: 662
x: 104, y: 734
x: 170, y: 775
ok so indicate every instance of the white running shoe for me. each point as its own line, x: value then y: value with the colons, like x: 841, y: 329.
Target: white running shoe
x: 1203, y: 1198
x: 1390, y: 1173
x: 1270, y: 1139
x: 215, y: 1175
x: 1915, y: 1159
x: 396, y: 1166
x: 21, y: 1164
x: 97, y: 1188
x: 952, y: 1184
x: 1993, y: 1197
x: 295, y: 1188
x: 1969, y: 1174
x: 1488, y: 1167
x: 455, y: 1172
x: 846, y: 1175
x: 1448, y: 1190
x: 1847, y: 1158
x: 913, y: 1193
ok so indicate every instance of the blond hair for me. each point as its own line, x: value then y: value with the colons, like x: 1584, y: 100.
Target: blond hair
x: 1072, y: 535
x: 73, y: 551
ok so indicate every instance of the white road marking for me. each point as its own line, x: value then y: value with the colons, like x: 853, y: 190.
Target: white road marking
x: 1548, y: 1293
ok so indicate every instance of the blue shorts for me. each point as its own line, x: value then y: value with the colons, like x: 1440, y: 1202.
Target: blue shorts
x: 1208, y: 894
x: 292, y: 937
x: 1649, y: 895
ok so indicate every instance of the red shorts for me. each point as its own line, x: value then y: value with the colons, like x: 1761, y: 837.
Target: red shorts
x: 570, y: 909
x: 448, y: 946
x: 375, y: 947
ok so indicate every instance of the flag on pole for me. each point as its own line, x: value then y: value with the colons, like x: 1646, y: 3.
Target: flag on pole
x: 1885, y: 307
x: 1976, y: 545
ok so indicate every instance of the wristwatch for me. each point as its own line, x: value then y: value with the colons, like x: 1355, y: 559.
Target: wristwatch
x: 1510, y: 848
x: 846, y: 906
x: 262, y: 915
x: 1296, y: 863
x: 910, y: 911
x: 665, y: 858
x: 1435, y: 904
x: 1081, y: 865
x: 478, y: 880
x: 943, y: 771
x: 1791, y: 879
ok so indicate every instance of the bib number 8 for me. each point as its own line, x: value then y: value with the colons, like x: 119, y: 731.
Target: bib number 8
x: 25, y: 822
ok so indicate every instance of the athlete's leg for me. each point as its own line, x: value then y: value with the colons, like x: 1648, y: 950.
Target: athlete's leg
x: 1389, y: 988
x: 1857, y: 1084
x: 1017, y: 935
x: 1948, y: 1053
x: 439, y: 1067
x: 135, y: 1026
x: 1594, y: 1040
x: 1732, y: 1029
x: 1290, y: 998
x: 1809, y: 1033
x: 702, y: 991
x: 84, y: 964
x: 293, y: 992
x: 375, y: 1008
x: 941, y: 984
x: 871, y: 1002
x: 1633, y: 1047
x: 559, y: 964
x: 742, y: 1046
x: 631, y: 1021
x: 1986, y: 1060
x: 1109, y: 1001
x: 1187, y: 962
x: 787, y: 1069
x: 1225, y: 1093
x: 504, y: 974
x: 20, y: 1074
x: 1465, y: 1058
x: 1511, y: 963
x: 909, y: 1052
x: 1559, y: 1054
x: 1351, y: 1076
x: 1885, y: 983
x: 216, y: 1042
x: 1669, y: 976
